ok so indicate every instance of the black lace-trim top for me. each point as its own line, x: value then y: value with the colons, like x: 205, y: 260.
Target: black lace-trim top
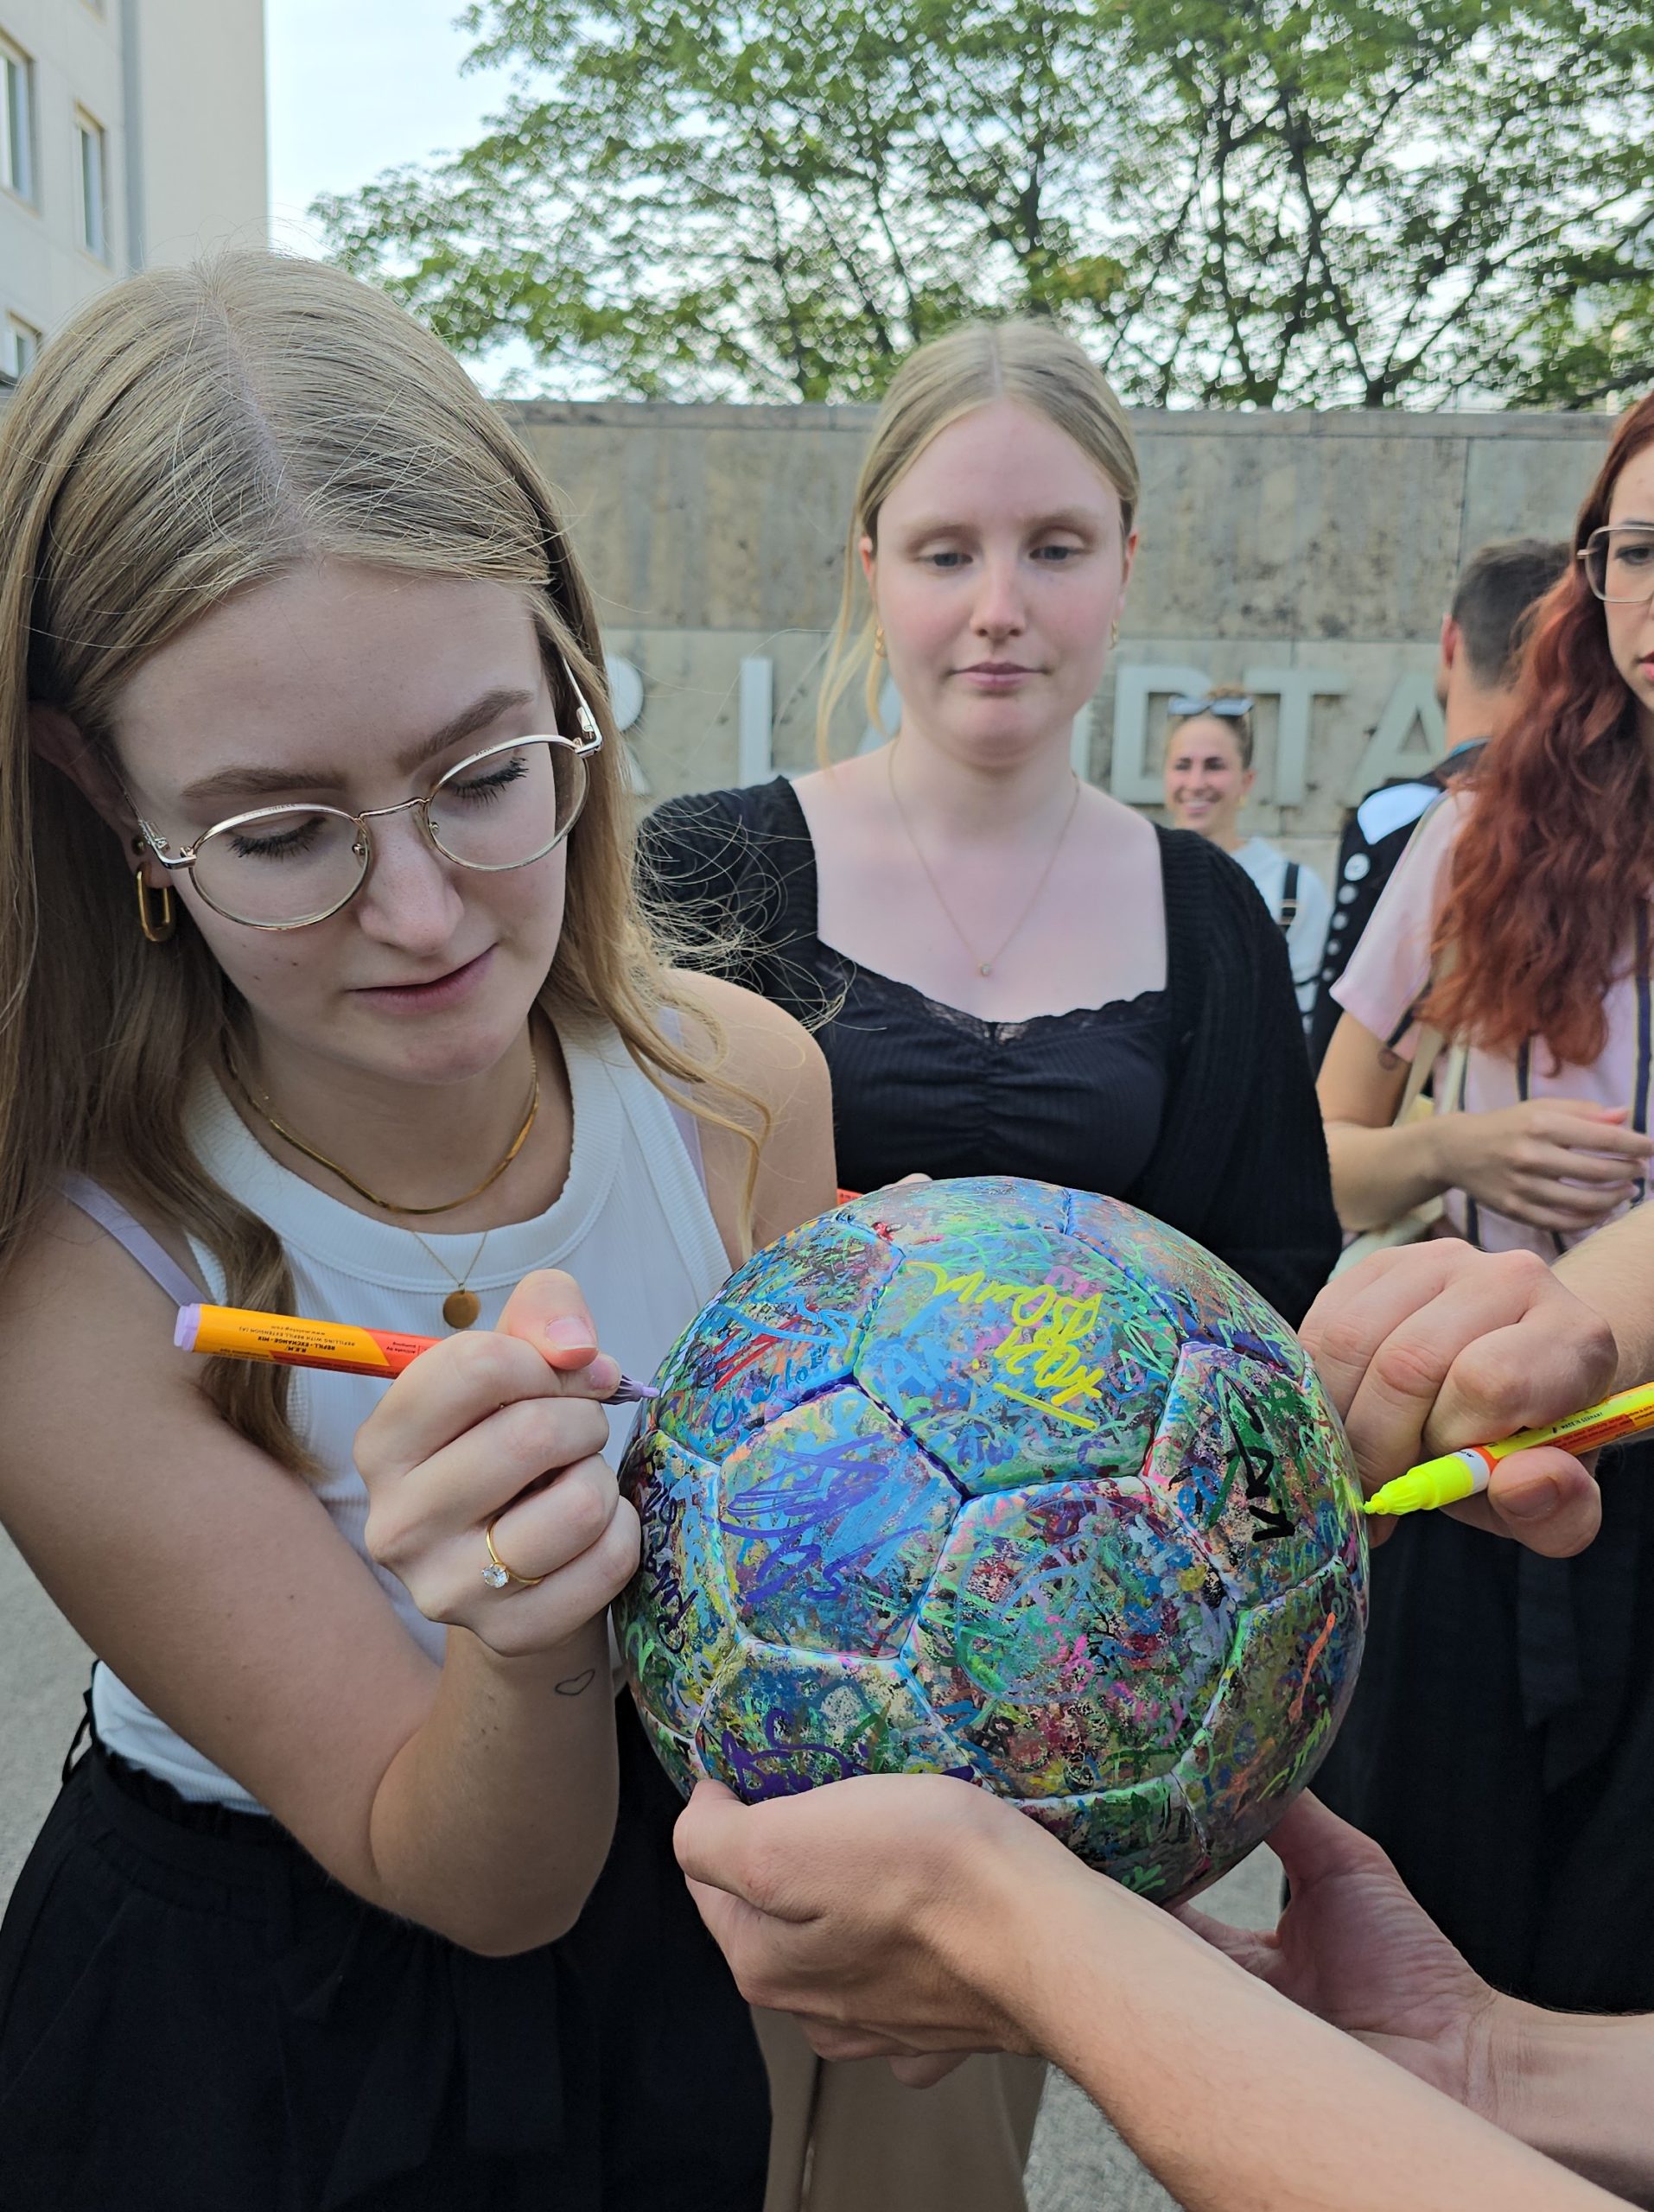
x: 920, y: 1086
x: 1194, y: 1102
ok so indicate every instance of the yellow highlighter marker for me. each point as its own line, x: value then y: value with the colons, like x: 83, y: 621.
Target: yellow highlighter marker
x: 1467, y: 1473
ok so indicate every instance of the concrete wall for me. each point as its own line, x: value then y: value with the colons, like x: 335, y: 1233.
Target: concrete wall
x: 1310, y: 556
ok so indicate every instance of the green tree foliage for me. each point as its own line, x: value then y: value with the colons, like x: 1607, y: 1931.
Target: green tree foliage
x: 1234, y: 203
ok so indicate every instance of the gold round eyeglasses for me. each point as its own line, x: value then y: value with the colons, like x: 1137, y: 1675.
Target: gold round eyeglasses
x: 1620, y: 563
x: 283, y: 867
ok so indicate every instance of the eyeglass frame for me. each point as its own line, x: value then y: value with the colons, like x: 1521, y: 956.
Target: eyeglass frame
x: 1606, y: 529
x: 582, y: 748
x: 1229, y: 707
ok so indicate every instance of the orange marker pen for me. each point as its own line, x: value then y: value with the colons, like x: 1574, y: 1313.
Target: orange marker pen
x: 233, y: 1332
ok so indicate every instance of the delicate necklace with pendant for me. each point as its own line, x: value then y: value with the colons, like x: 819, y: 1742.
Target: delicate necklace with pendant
x: 983, y: 967
x: 462, y: 1306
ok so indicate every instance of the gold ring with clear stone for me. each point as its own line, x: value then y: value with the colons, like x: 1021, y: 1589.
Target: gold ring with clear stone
x: 497, y: 1574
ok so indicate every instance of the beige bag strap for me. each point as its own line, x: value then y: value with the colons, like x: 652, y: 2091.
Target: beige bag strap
x: 1431, y: 1045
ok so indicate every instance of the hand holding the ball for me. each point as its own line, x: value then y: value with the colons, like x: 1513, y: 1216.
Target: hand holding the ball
x: 501, y: 1433
x: 874, y: 1909
x: 1354, y: 1947
x: 1437, y: 1345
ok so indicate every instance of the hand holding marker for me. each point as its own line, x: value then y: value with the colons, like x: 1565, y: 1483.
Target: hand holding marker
x: 1466, y: 1473
x: 233, y: 1332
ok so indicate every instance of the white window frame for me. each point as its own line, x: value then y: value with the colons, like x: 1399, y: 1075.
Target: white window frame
x: 18, y: 168
x: 22, y: 344
x: 92, y: 152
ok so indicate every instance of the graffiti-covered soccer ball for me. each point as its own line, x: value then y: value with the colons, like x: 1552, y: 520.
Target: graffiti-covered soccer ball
x: 990, y: 1479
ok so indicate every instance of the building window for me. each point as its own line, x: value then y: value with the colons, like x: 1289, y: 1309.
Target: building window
x: 94, y: 184
x: 16, y: 120
x: 22, y: 343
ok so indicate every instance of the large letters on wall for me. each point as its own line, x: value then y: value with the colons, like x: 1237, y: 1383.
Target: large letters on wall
x: 1141, y: 690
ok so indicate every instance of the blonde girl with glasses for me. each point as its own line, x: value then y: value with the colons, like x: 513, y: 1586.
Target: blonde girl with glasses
x: 324, y: 992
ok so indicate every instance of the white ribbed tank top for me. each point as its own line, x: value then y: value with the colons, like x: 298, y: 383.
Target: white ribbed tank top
x: 631, y: 1225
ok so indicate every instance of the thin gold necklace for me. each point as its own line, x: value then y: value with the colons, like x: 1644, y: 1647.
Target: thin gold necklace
x: 983, y: 967
x: 462, y: 1306
x: 261, y: 1108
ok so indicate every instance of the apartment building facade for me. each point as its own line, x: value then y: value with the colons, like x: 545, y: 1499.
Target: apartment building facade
x: 131, y: 132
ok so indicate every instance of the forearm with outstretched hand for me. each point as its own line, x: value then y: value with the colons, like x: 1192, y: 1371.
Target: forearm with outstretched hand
x: 905, y: 1914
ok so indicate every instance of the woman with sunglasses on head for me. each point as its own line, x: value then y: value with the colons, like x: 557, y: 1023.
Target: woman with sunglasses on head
x: 1511, y: 950
x: 1208, y: 775
x: 362, y: 1895
x: 1010, y: 972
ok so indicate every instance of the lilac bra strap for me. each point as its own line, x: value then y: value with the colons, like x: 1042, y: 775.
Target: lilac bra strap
x: 109, y: 1213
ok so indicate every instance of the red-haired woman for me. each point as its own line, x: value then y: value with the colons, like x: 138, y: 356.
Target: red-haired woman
x: 1501, y: 1745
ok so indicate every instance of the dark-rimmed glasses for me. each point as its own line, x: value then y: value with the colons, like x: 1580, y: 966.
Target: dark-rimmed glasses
x: 283, y: 867
x: 1620, y: 563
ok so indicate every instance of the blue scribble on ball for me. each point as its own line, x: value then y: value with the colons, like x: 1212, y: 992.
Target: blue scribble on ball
x: 990, y: 1479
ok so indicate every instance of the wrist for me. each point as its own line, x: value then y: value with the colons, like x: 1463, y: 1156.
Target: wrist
x: 1573, y: 2086
x: 988, y: 1911
x: 1047, y: 1911
x: 1500, y: 2083
x: 1620, y: 1300
x: 1438, y: 1146
x: 551, y: 1670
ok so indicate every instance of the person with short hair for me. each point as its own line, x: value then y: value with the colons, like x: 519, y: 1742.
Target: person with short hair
x: 1476, y: 678
x: 1208, y: 775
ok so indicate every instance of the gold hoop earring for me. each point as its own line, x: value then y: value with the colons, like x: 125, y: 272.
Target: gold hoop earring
x: 156, y: 916
x: 878, y: 641
x: 1113, y: 634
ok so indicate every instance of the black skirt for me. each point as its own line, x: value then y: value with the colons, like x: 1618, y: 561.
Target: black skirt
x: 1500, y: 1745
x: 194, y: 2018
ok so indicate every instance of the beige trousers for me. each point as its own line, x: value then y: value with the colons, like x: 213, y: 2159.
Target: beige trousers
x: 846, y: 2136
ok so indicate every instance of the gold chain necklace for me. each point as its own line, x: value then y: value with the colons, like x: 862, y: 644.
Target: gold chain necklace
x: 261, y: 1107
x: 462, y: 1306
x: 983, y: 967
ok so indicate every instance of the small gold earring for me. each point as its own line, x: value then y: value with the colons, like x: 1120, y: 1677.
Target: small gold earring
x: 156, y: 917
x: 1113, y: 634
x: 878, y: 641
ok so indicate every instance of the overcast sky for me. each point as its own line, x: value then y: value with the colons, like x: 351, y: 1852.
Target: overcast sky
x: 361, y: 85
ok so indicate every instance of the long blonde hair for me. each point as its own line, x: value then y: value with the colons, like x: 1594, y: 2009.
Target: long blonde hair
x: 1033, y: 363
x: 191, y: 434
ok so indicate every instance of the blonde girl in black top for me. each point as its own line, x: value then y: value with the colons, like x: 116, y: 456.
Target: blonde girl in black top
x: 1012, y: 972
x: 1021, y: 975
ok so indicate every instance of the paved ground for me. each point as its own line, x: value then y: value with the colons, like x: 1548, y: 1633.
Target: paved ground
x: 42, y: 1673
x: 1079, y: 2166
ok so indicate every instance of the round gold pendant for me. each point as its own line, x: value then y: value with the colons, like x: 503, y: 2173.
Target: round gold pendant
x: 460, y: 1308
